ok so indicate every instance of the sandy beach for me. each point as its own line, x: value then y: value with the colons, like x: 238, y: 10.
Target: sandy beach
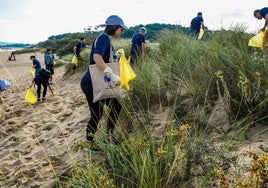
x: 36, y: 140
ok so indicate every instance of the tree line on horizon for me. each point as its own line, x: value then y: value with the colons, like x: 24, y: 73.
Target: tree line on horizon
x: 62, y: 44
x: 14, y: 45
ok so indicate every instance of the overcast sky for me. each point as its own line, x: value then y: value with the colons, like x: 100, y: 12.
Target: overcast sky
x: 33, y: 21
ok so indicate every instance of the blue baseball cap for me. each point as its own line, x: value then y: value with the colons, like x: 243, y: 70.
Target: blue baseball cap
x: 115, y: 20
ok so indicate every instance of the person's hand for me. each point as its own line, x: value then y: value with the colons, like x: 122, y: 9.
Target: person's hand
x: 263, y: 29
x: 109, y: 73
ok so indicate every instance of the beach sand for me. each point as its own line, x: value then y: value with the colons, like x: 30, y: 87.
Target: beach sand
x: 36, y: 140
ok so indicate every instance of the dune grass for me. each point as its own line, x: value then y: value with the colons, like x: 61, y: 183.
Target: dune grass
x: 182, y: 78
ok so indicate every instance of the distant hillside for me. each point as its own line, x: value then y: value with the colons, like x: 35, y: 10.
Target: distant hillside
x: 13, y: 45
x: 62, y: 44
x: 4, y: 43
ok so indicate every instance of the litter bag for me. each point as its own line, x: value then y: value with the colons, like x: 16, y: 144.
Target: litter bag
x: 30, y: 97
x: 103, y: 88
x: 201, y: 33
x: 33, y: 71
x: 75, y: 60
x: 126, y: 72
x: 257, y: 40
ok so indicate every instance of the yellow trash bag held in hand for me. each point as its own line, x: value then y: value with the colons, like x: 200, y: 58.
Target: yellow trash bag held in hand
x: 257, y: 40
x: 30, y: 97
x: 33, y: 71
x: 201, y: 33
x: 75, y: 60
x: 126, y: 72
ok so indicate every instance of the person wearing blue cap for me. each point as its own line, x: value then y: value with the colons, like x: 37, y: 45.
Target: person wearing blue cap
x: 100, y: 55
x: 137, y: 46
x: 196, y: 24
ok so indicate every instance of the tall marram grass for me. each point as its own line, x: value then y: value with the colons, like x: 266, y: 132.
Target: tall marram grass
x: 182, y: 81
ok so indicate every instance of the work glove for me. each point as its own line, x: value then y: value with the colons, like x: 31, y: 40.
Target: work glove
x: 109, y: 73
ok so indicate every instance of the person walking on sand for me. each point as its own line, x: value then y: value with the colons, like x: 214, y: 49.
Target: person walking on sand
x: 196, y: 24
x: 78, y: 49
x: 100, y: 55
x: 36, y: 64
x: 137, y: 46
x: 49, y: 62
x: 259, y: 14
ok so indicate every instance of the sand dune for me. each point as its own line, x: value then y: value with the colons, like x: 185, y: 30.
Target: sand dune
x: 36, y: 140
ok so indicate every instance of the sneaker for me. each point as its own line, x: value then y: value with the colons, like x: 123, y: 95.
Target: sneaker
x: 43, y: 99
x: 38, y: 99
x: 92, y: 147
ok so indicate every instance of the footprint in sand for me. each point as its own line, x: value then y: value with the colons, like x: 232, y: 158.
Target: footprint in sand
x: 4, y: 153
x: 64, y: 115
x: 49, y: 126
x: 56, y: 160
x: 30, y: 173
x: 12, y: 141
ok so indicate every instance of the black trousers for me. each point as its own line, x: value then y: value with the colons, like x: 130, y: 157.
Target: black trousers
x: 96, y: 109
x: 44, y: 84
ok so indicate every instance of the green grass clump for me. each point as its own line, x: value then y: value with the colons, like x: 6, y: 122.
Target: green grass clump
x: 184, y: 79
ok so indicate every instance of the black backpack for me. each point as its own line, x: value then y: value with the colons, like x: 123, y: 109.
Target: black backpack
x: 44, y: 72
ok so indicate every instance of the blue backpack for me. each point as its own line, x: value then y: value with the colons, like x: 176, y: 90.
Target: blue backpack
x: 48, y: 59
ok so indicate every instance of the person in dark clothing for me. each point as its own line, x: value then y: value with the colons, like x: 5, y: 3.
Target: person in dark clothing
x: 196, y: 24
x: 259, y: 14
x: 100, y: 55
x: 36, y: 64
x: 49, y: 62
x: 137, y: 46
x: 78, y: 48
x: 41, y: 80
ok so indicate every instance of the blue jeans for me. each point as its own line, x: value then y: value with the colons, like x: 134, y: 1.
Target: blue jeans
x: 96, y: 108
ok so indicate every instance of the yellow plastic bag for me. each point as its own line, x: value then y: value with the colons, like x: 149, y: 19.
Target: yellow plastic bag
x: 30, y: 97
x: 126, y: 72
x: 75, y: 60
x: 257, y: 40
x: 201, y: 33
x: 33, y: 71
